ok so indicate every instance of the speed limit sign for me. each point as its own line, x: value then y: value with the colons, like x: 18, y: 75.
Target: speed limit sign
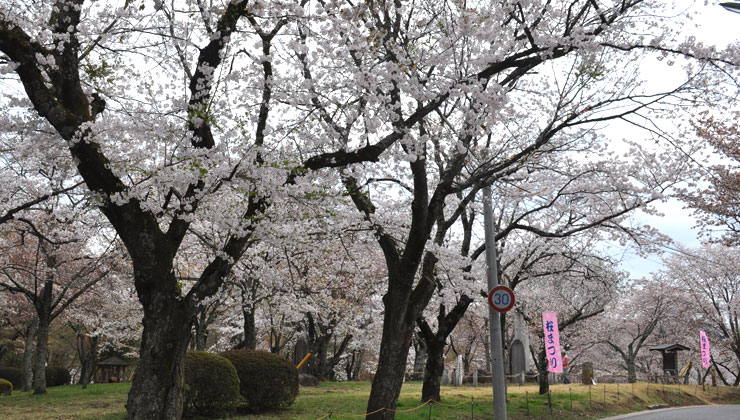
x: 501, y: 298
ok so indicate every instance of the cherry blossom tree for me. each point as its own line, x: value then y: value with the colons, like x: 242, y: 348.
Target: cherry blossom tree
x: 205, y: 149
x: 192, y: 113
x: 632, y: 319
x: 710, y: 278
x: 19, y: 316
x: 50, y: 265
x: 107, y: 316
x: 578, y: 291
x: 717, y: 201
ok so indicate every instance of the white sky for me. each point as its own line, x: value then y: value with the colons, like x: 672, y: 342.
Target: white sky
x: 715, y: 26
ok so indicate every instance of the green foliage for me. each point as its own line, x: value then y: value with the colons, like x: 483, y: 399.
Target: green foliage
x: 99, y: 72
x: 211, y: 385
x: 268, y: 381
x: 51, y: 376
x: 56, y: 376
x: 63, y: 376
x: 12, y: 375
x: 6, y: 388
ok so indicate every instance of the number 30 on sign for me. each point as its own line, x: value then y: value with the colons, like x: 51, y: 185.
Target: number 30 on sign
x: 501, y: 298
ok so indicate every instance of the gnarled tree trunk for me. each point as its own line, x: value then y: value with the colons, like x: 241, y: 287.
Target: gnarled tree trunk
x: 87, y: 350
x: 43, y: 310
x: 435, y: 343
x: 433, y: 370
x: 394, y: 350
x: 157, y: 388
x: 420, y: 357
x: 28, y: 354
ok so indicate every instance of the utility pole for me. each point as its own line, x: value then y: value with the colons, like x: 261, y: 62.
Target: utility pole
x: 497, y: 352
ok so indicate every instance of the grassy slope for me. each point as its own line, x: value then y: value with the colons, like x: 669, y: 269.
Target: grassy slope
x: 348, y: 400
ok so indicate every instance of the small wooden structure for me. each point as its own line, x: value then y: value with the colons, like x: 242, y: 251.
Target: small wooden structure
x: 112, y: 369
x: 669, y: 352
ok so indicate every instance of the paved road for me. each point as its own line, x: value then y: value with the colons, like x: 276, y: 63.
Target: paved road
x: 699, y: 412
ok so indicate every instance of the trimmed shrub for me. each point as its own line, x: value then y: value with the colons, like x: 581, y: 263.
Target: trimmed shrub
x: 12, y: 375
x: 51, y: 376
x: 211, y: 385
x: 6, y: 388
x: 267, y: 381
x: 63, y: 376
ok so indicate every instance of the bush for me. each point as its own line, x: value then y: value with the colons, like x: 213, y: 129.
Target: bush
x: 12, y: 375
x: 6, y: 388
x: 211, y: 385
x: 267, y: 381
x: 63, y: 376
x: 56, y: 376
x: 51, y: 376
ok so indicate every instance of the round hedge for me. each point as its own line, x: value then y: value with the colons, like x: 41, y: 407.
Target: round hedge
x: 211, y: 385
x: 56, y: 376
x: 12, y: 375
x: 267, y: 381
x: 6, y: 388
x: 63, y: 376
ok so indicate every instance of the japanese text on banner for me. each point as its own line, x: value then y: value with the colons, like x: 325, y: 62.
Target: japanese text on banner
x: 552, y: 342
x: 704, y: 344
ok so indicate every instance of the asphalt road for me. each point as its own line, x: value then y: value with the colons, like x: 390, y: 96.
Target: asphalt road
x: 699, y: 412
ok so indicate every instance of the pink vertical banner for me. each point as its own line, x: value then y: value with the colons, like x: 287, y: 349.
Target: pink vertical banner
x: 704, y: 345
x: 552, y: 342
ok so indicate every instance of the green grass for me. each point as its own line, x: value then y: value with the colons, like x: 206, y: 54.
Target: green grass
x: 349, y: 400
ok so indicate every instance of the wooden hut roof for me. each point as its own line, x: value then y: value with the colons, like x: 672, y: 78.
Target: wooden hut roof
x: 668, y: 347
x: 112, y: 361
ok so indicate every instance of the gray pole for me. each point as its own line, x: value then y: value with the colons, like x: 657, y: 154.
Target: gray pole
x: 497, y: 353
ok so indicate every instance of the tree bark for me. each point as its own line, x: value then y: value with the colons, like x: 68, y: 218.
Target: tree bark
x: 39, y: 368
x: 433, y: 370
x: 157, y: 388
x: 420, y: 357
x: 88, y: 357
x: 435, y: 343
x: 544, y: 376
x: 28, y: 354
x: 631, y: 370
x: 200, y: 331
x: 43, y: 310
x: 250, y: 329
x: 357, y: 368
x: 394, y: 350
x: 337, y: 356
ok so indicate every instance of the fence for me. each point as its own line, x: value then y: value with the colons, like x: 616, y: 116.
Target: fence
x: 562, y: 398
x: 475, y: 378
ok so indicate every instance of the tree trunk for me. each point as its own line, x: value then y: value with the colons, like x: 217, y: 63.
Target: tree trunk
x: 631, y: 370
x: 157, y: 389
x: 28, y: 352
x: 433, y: 371
x: 43, y: 310
x: 332, y: 363
x: 394, y: 350
x: 544, y: 376
x: 420, y: 357
x: 39, y: 368
x: 88, y: 358
x: 435, y: 342
x: 250, y: 329
x: 357, y: 369
x: 200, y: 331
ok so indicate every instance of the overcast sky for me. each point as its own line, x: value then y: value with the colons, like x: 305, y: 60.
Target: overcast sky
x: 715, y: 26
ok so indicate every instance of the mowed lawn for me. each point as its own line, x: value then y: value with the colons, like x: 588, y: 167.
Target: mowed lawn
x: 348, y: 400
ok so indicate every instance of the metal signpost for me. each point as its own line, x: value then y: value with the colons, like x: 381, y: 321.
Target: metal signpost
x: 497, y: 356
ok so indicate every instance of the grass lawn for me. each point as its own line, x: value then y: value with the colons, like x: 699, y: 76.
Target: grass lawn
x: 348, y: 400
